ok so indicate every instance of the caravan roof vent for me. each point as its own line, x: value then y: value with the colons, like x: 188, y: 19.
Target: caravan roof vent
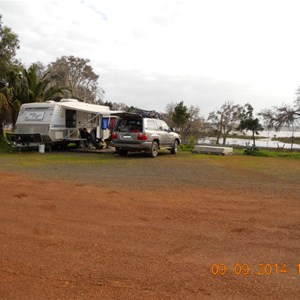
x: 68, y: 100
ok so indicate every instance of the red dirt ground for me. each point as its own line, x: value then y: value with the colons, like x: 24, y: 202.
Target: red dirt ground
x: 66, y: 240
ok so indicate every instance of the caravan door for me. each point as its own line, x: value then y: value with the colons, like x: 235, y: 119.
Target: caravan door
x: 70, y: 118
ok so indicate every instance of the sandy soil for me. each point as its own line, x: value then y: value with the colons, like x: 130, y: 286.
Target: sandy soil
x: 150, y: 236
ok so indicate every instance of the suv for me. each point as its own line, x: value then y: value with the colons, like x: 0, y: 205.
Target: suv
x: 134, y: 132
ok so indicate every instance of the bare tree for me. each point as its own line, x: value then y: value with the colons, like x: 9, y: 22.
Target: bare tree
x: 285, y: 115
x: 225, y: 119
x: 76, y: 74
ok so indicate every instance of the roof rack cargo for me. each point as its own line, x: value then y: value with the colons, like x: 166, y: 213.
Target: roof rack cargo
x: 147, y: 113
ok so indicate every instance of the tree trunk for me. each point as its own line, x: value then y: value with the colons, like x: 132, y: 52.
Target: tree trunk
x: 225, y: 133
x: 224, y: 139
x: 253, y: 138
x: 218, y: 137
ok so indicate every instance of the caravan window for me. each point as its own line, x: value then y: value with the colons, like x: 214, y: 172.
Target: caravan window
x: 70, y: 118
x: 92, y: 119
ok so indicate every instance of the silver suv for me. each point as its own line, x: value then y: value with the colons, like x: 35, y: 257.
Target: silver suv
x: 133, y: 132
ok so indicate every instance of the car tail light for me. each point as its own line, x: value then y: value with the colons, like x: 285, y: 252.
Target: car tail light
x: 114, y: 136
x: 142, y: 137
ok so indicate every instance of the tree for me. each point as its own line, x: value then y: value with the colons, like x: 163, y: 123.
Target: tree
x: 24, y: 87
x: 76, y: 74
x: 4, y: 108
x: 186, y: 119
x: 9, y: 44
x: 9, y: 108
x: 180, y: 115
x: 116, y: 106
x: 39, y: 89
x: 285, y: 115
x: 248, y: 122
x: 225, y: 119
x: 28, y: 86
x: 194, y: 123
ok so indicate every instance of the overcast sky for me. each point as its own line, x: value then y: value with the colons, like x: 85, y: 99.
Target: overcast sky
x: 149, y: 53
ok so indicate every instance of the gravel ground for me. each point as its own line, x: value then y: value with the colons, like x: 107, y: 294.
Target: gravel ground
x: 100, y: 226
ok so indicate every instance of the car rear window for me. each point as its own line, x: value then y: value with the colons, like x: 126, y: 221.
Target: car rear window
x: 129, y: 125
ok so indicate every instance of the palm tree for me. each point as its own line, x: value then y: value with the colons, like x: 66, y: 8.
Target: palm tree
x: 9, y: 108
x: 24, y: 87
x: 31, y: 88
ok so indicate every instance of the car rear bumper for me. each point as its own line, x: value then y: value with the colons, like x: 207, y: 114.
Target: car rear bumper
x: 132, y: 147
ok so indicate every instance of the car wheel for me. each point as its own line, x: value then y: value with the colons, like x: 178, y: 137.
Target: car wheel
x: 154, y: 149
x: 175, y: 147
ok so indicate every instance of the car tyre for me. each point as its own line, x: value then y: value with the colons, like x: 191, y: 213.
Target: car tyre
x: 174, y: 149
x: 154, y: 149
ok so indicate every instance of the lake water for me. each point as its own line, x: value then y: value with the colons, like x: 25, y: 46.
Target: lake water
x: 265, y: 142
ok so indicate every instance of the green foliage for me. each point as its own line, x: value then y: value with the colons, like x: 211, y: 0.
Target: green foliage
x: 248, y: 122
x: 270, y: 153
x: 186, y: 147
x: 9, y: 108
x: 180, y: 115
x: 253, y: 152
x: 29, y: 87
x: 189, y: 145
x: 251, y: 124
x: 192, y: 140
x: 9, y: 43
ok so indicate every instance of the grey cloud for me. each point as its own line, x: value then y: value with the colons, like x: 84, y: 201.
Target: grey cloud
x: 155, y: 91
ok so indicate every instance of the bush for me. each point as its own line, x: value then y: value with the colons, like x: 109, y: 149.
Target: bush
x: 186, y: 147
x: 189, y: 146
x: 253, y: 152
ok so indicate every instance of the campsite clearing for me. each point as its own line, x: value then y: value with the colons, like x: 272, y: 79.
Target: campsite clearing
x: 91, y: 226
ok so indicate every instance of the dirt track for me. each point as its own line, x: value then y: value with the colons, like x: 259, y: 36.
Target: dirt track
x: 140, y: 228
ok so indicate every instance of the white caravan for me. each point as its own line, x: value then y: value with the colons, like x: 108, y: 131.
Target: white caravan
x: 59, y: 123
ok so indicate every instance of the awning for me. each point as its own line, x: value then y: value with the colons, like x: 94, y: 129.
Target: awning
x: 87, y: 107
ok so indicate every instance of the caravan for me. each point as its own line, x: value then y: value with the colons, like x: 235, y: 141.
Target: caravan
x: 61, y: 123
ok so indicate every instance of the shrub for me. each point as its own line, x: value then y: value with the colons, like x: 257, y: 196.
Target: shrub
x: 253, y: 152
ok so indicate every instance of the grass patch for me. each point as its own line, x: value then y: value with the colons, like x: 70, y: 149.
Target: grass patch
x: 269, y: 153
x: 4, y: 147
x: 57, y: 158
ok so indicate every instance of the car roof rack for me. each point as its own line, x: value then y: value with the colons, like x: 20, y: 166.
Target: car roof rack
x: 147, y: 113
